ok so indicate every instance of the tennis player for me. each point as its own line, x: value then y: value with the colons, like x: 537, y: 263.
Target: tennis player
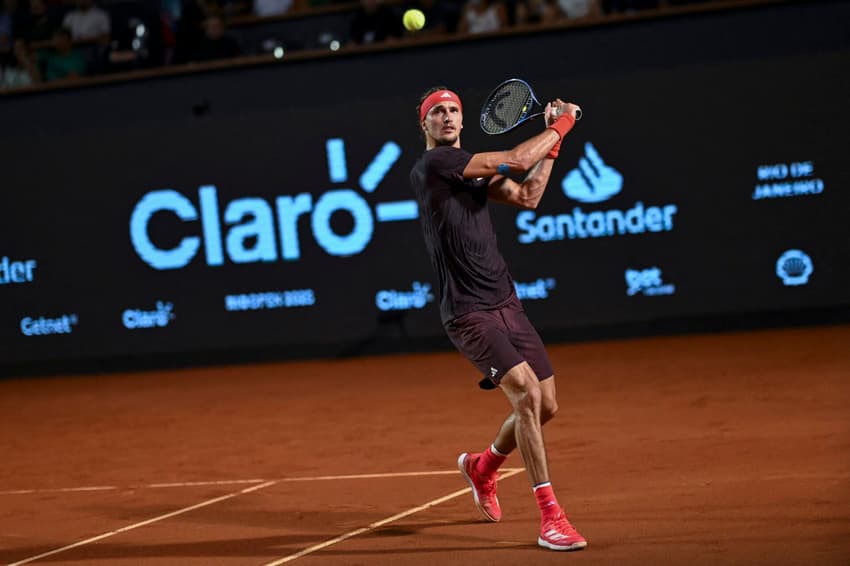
x: 479, y: 307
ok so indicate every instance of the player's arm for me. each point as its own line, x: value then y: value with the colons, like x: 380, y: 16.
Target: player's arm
x: 517, y: 160
x: 526, y: 194
x: 534, y: 157
x: 524, y: 156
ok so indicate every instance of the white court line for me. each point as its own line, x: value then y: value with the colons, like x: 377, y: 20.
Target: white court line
x: 508, y: 472
x: 197, y: 483
x: 382, y: 522
x: 143, y: 523
x: 235, y: 482
x: 58, y: 490
x: 822, y: 476
x: 385, y: 475
x: 115, y: 487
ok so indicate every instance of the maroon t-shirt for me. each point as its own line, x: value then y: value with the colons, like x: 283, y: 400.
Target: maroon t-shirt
x: 459, y: 235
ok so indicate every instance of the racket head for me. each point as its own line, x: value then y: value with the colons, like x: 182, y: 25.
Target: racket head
x: 507, y: 106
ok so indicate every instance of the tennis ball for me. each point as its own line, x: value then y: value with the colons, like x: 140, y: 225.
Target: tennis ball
x: 413, y: 19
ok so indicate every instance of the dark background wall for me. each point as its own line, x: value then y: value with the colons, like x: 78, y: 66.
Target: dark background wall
x: 690, y: 115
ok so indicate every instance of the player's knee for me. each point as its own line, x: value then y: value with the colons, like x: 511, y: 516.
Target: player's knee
x: 523, y: 389
x: 532, y: 398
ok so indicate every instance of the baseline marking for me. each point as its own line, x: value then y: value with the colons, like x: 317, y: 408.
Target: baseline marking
x: 58, y: 490
x: 143, y: 523
x: 382, y: 522
x: 387, y: 475
x: 265, y: 483
x: 235, y: 482
x: 115, y: 487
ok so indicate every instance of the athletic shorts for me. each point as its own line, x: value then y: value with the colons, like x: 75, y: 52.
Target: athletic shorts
x: 497, y: 340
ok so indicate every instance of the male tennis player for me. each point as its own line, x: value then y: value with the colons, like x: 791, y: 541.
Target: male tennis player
x: 478, y: 304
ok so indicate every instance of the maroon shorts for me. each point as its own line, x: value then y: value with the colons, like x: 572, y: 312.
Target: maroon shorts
x: 497, y: 340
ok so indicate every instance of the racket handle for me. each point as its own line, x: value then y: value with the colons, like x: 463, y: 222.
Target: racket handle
x: 555, y: 114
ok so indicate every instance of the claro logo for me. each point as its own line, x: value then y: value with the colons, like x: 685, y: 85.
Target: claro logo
x: 159, y: 317
x: 253, y: 229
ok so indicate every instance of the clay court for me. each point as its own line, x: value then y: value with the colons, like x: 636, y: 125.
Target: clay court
x: 708, y: 449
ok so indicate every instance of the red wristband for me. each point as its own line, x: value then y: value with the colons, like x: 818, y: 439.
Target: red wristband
x: 563, y: 124
x: 553, y: 153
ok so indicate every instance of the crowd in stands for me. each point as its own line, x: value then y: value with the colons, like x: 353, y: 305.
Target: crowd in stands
x: 53, y: 40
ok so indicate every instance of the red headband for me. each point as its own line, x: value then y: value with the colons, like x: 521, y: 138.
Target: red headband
x: 436, y: 98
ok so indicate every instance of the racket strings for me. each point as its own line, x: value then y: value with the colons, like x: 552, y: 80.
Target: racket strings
x: 506, y: 106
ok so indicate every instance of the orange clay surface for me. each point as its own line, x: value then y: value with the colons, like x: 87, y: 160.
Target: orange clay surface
x: 729, y: 449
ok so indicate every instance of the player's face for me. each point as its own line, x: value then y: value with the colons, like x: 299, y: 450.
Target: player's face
x: 443, y: 123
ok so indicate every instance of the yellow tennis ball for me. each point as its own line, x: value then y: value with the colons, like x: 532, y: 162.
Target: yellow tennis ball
x: 413, y: 19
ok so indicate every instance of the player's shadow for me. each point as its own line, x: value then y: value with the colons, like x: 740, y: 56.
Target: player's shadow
x: 410, y: 530
x: 262, y: 548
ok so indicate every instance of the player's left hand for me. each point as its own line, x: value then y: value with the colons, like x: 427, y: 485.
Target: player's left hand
x: 551, y: 113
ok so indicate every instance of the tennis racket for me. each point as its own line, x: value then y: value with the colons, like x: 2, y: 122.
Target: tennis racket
x: 509, y: 105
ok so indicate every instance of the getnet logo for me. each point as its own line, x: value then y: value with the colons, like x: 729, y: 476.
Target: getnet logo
x: 537, y: 290
x: 648, y: 282
x: 593, y: 181
x: 252, y: 229
x: 794, y: 268
x: 45, y: 326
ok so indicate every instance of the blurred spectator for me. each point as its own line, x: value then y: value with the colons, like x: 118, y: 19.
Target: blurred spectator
x: 199, y: 31
x: 230, y: 8
x: 8, y: 13
x: 22, y: 69
x: 374, y: 22
x: 88, y: 21
x: 63, y: 62
x: 216, y: 44
x: 577, y: 9
x: 138, y: 38
x: 483, y: 16
x: 189, y: 30
x: 535, y: 12
x: 272, y: 7
x: 40, y: 23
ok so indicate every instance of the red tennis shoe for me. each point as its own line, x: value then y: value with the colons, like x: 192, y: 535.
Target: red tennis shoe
x: 558, y: 534
x: 483, y: 488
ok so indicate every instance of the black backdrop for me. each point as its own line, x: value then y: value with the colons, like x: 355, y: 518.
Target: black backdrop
x: 723, y: 138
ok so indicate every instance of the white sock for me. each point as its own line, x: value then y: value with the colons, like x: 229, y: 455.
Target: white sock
x: 496, y: 451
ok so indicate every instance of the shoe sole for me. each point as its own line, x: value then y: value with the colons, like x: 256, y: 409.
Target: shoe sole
x: 550, y: 546
x: 468, y: 479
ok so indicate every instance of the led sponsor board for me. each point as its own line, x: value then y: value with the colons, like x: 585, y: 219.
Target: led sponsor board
x: 794, y: 267
x: 281, y: 220
x: 594, y: 182
x: 12, y: 271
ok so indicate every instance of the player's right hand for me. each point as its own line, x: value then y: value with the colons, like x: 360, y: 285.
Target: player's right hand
x: 558, y: 107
